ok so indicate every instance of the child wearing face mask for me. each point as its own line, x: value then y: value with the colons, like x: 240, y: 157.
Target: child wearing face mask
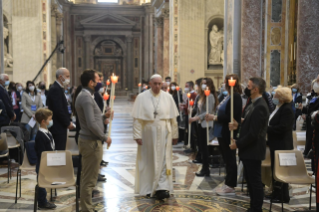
x: 43, y: 142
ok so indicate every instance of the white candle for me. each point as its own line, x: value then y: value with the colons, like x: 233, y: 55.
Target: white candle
x: 232, y: 112
x: 114, y: 81
x: 207, y: 128
x: 179, y: 101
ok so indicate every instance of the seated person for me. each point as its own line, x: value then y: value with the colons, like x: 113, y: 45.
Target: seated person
x: 43, y: 142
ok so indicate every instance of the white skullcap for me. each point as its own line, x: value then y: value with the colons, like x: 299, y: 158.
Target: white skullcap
x: 156, y: 76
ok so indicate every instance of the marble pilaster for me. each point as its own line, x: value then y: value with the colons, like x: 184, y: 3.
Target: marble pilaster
x: 87, y: 40
x: 129, y: 75
x: 59, y: 21
x: 307, y: 43
x: 166, y: 43
x: 53, y: 39
x: 251, y: 34
x: 159, y: 45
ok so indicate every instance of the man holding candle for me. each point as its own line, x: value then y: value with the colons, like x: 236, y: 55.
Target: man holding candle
x: 252, y: 140
x: 154, y: 130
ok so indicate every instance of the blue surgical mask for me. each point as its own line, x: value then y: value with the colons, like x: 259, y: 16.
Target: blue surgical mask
x: 66, y: 91
x: 225, y: 93
x: 6, y: 83
x: 50, y: 124
x: 294, y: 90
x: 273, y: 93
x: 275, y: 101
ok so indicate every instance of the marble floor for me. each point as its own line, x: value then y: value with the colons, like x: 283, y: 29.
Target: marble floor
x: 117, y: 193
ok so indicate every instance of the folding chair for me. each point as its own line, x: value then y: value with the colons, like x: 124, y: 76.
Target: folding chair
x: 72, y: 146
x: 4, y: 148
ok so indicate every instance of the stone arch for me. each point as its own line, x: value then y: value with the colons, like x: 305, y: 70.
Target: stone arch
x: 111, y: 38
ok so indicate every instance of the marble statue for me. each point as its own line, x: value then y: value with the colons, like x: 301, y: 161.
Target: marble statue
x: 97, y: 51
x: 216, y: 45
x: 8, y: 60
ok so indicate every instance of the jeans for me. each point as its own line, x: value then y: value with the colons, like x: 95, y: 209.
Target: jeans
x: 42, y: 192
x: 202, y: 144
x: 33, y: 131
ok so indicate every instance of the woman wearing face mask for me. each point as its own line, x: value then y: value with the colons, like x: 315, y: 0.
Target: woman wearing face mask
x: 31, y: 102
x: 297, y: 99
x: 43, y: 93
x: 308, y: 110
x: 222, y: 132
x: 279, y: 135
x: 12, y: 91
x: 202, y: 123
x: 174, y: 93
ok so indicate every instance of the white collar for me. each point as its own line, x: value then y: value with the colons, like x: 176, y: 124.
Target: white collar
x: 192, y: 91
x: 86, y: 90
x: 59, y: 83
x: 44, y: 130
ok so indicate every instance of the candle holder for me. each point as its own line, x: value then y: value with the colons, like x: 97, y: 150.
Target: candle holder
x: 108, y: 82
x: 191, y: 102
x: 207, y: 92
x: 177, y: 88
x: 114, y: 80
x: 231, y: 83
x: 106, y: 96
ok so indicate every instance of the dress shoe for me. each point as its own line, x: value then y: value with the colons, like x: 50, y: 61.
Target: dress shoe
x: 203, y: 173
x: 101, y: 179
x: 162, y: 194
x: 197, y: 161
x: 279, y: 201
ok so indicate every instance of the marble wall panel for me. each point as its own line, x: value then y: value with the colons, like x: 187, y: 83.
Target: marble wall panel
x: 276, y: 6
x: 307, y: 43
x: 275, y: 68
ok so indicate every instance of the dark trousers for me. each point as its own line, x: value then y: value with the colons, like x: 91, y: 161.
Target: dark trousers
x: 17, y: 112
x: 277, y: 185
x: 202, y: 144
x: 42, y: 192
x: 229, y: 157
x: 252, y: 171
x: 60, y: 141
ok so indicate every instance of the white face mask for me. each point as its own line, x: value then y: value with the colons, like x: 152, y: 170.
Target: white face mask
x: 173, y: 88
x: 66, y: 81
x: 204, y: 86
x: 31, y: 88
x: 101, y: 90
x: 20, y: 88
x: 168, y: 83
x: 186, y: 90
x: 316, y: 87
x: 196, y: 87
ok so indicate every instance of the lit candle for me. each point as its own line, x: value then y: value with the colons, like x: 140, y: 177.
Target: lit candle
x: 188, y: 95
x: 190, y: 106
x: 106, y: 96
x: 207, y: 93
x: 114, y: 80
x: 179, y: 101
x: 139, y: 87
x: 231, y: 83
x: 107, y: 84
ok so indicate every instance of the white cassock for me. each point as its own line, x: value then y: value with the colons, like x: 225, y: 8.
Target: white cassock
x: 154, y: 156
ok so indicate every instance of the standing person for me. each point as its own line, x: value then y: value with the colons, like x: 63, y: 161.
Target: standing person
x: 91, y: 137
x: 154, y: 130
x: 202, y: 123
x: 252, y: 141
x: 57, y: 103
x: 31, y: 102
x: 168, y: 81
x: 43, y: 93
x: 280, y: 136
x: 164, y: 87
x: 297, y: 99
x: 97, y: 94
x: 15, y: 100
x: 175, y: 94
x: 4, y: 96
x: 223, y: 118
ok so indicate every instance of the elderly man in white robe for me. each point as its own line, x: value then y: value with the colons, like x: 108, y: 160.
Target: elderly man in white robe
x: 155, y: 130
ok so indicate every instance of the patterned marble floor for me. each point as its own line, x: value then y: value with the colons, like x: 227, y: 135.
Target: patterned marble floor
x: 117, y: 194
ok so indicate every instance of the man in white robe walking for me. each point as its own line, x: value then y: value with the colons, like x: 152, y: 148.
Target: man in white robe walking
x: 154, y: 129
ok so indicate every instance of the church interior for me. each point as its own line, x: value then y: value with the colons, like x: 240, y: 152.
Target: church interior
x: 185, y: 40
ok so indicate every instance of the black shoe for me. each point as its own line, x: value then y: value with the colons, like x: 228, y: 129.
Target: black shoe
x: 48, y: 205
x: 101, y: 179
x: 161, y: 194
x: 104, y: 163
x: 203, y: 173
x: 197, y: 161
x: 279, y: 201
x: 102, y: 175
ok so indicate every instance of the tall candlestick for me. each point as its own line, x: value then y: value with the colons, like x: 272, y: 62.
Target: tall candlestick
x: 207, y: 93
x: 107, y: 84
x: 179, y: 101
x: 231, y: 83
x: 114, y: 80
x: 139, y: 87
x: 190, y: 106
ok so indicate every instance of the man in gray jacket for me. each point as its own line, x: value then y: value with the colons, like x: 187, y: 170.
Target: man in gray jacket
x: 91, y: 137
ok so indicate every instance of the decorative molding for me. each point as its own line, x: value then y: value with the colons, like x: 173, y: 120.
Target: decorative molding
x: 158, y: 22
x: 165, y: 13
x: 54, y: 9
x: 59, y: 18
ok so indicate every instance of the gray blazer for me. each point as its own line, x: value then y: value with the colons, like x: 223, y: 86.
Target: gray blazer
x: 26, y: 106
x: 202, y: 114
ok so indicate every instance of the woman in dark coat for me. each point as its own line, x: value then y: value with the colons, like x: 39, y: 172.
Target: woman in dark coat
x: 297, y: 99
x: 279, y: 134
x: 173, y: 91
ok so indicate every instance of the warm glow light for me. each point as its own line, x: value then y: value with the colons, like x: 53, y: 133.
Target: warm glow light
x: 231, y: 82
x: 177, y: 88
x: 139, y: 84
x: 114, y: 98
x: 189, y: 95
x: 114, y: 79
x: 207, y: 92
x: 106, y: 96
x: 191, y: 102
x: 108, y: 82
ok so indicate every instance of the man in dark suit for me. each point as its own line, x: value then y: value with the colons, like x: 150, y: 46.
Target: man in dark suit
x: 252, y: 141
x: 4, y: 96
x: 57, y: 103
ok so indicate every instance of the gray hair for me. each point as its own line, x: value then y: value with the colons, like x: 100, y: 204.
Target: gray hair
x: 60, y: 72
x: 2, y: 76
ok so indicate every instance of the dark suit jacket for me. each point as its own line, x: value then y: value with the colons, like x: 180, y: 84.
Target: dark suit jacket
x: 57, y: 103
x: 99, y: 100
x: 4, y: 96
x: 252, y: 140
x: 280, y: 129
x: 225, y: 118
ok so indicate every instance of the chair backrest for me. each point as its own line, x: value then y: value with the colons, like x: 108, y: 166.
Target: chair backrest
x: 267, y: 161
x: 71, y: 145
x: 26, y: 164
x: 49, y: 174
x: 11, y: 140
x: 15, y: 129
x: 281, y: 172
x: 3, y: 142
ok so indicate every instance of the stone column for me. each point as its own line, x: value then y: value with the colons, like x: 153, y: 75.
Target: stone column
x: 59, y: 37
x: 87, y: 40
x: 1, y: 40
x: 129, y: 70
x: 159, y: 46
x: 166, y: 43
x: 251, y: 39
x: 307, y: 43
x: 53, y: 39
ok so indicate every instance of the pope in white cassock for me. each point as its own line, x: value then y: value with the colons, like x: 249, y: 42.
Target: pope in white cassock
x: 154, y: 129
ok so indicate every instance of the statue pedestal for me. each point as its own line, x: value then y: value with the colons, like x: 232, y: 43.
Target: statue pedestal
x: 9, y: 72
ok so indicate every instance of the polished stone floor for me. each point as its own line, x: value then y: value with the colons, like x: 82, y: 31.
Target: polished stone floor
x: 117, y: 193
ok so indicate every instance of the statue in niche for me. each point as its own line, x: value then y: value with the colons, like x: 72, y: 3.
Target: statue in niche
x: 97, y: 51
x: 8, y: 60
x: 118, y: 52
x: 216, y: 46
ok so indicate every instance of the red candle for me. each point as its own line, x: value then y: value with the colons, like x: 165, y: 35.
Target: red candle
x: 114, y: 79
x: 191, y: 102
x: 139, y: 84
x: 207, y: 92
x: 231, y: 82
x: 177, y: 88
x: 108, y: 82
x: 106, y: 96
